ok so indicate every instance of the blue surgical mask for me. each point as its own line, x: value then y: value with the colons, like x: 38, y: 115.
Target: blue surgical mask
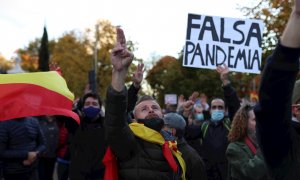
x: 167, y: 134
x: 217, y: 115
x: 199, y: 116
x: 91, y: 112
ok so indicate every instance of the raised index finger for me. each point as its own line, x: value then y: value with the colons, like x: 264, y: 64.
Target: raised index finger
x: 297, y: 6
x: 121, y: 37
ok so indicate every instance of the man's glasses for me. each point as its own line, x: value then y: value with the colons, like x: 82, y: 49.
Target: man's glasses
x: 217, y: 107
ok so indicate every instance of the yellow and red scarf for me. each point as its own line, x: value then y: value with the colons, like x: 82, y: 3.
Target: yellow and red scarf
x: 168, y: 148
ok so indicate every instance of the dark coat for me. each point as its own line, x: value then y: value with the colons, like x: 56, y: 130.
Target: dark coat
x: 215, y: 142
x: 195, y: 168
x: 137, y: 159
x: 51, y: 134
x: 17, y: 138
x: 243, y: 164
x: 87, y: 151
x: 278, y: 139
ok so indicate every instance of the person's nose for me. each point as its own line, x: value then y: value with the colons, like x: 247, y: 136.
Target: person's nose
x: 151, y: 110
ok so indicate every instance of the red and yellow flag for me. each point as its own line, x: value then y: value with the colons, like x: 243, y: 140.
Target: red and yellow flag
x: 35, y: 94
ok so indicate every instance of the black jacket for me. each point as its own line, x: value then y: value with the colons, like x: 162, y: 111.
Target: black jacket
x: 137, y: 159
x: 278, y: 139
x: 87, y: 150
x: 195, y: 168
x: 51, y: 132
x: 17, y: 138
x: 215, y: 142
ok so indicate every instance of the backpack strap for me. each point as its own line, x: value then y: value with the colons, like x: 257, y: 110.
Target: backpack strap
x: 204, y: 128
x: 227, y: 124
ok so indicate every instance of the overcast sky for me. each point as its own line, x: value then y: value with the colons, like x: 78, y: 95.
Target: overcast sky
x: 158, y: 26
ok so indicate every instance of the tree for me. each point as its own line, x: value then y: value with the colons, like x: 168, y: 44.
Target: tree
x: 105, y: 38
x: 71, y: 54
x: 4, y: 65
x: 275, y: 14
x: 168, y: 76
x: 44, y: 53
x: 29, y: 54
x: 74, y: 54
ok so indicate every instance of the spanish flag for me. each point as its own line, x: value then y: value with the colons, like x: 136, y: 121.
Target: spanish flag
x: 35, y: 94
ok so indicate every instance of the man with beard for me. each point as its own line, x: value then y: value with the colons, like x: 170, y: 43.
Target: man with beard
x: 140, y: 149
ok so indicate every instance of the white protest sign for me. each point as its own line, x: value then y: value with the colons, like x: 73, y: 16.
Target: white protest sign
x: 212, y: 40
x: 170, y: 99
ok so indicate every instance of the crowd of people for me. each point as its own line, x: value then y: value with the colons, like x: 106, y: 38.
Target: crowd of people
x: 135, y: 139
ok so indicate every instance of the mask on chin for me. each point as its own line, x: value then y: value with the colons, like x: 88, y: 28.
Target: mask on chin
x: 155, y: 123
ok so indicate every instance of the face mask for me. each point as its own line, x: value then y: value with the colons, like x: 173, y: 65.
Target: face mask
x: 91, y: 112
x: 167, y: 135
x: 199, y: 116
x: 153, y: 123
x: 217, y: 115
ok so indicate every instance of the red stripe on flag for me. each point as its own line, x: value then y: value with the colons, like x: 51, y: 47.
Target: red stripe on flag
x: 21, y: 100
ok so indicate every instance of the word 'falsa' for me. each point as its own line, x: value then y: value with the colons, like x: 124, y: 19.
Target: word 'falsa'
x: 214, y: 41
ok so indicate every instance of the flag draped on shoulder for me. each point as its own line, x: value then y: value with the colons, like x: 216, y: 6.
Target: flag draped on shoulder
x: 35, y: 94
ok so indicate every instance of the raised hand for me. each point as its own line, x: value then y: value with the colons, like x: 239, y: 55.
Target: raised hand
x: 121, y: 57
x: 194, y: 96
x: 187, y: 107
x: 223, y: 70
x: 180, y: 103
x: 87, y: 89
x: 290, y: 36
x: 297, y: 7
x: 138, y: 75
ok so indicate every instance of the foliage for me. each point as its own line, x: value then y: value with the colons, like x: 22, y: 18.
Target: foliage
x: 168, y: 76
x: 4, y: 64
x: 103, y: 38
x: 275, y: 14
x: 71, y: 54
x: 29, y: 54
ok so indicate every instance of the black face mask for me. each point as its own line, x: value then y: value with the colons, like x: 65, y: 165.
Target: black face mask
x: 153, y: 123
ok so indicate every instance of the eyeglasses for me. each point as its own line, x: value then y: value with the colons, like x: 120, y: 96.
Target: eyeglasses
x: 217, y: 107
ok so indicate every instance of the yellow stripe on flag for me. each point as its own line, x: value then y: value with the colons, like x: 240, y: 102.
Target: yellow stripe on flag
x: 50, y: 80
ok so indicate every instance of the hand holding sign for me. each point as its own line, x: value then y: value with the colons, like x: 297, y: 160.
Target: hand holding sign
x: 224, y: 74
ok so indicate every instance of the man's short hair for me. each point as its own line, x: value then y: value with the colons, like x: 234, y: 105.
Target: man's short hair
x: 141, y: 99
x: 145, y: 98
